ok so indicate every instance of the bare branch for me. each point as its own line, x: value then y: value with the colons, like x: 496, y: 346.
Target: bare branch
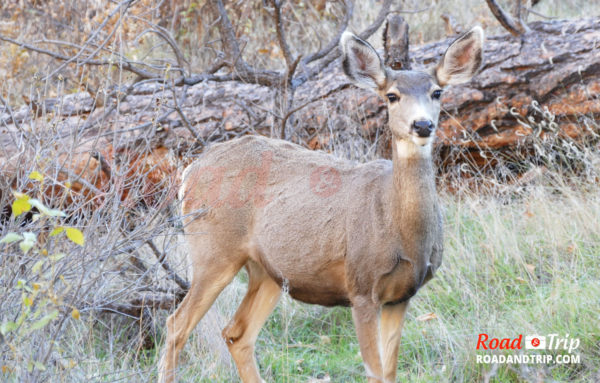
x: 10, y: 111
x: 166, y: 36
x: 241, y: 69
x: 285, y: 48
x: 318, y: 98
x: 186, y: 121
x: 414, y: 11
x: 515, y: 28
x: 161, y: 257
x: 125, y: 4
x: 333, y: 43
x: 383, y: 12
x: 531, y: 10
x: 335, y: 53
x: 104, y: 165
x: 126, y: 65
x: 136, y: 305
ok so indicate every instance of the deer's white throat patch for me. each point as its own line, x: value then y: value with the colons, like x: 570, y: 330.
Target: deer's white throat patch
x: 414, y: 147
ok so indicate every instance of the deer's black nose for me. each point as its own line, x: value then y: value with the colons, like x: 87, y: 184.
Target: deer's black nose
x: 423, y: 128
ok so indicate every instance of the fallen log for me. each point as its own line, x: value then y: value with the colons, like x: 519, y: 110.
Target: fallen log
x: 550, y: 71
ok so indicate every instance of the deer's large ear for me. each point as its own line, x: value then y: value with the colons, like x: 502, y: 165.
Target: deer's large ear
x: 361, y: 62
x: 462, y: 59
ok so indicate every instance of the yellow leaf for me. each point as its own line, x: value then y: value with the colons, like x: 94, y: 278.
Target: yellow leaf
x: 57, y: 230
x: 35, y: 175
x: 75, y: 235
x: 20, y: 206
x: 75, y: 314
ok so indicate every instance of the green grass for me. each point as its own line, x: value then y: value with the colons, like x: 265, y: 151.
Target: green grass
x: 529, y: 266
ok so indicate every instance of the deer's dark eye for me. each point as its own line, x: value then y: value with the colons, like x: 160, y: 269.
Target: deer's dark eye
x: 436, y: 94
x: 392, y: 97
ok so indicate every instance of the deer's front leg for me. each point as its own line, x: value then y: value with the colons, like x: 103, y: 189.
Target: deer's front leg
x: 392, y: 320
x: 366, y: 320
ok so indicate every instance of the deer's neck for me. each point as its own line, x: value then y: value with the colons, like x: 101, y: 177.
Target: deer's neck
x: 414, y: 197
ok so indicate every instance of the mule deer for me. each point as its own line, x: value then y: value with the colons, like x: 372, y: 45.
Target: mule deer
x: 369, y: 239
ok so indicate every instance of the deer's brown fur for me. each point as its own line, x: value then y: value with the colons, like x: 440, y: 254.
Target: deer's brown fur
x: 370, y: 238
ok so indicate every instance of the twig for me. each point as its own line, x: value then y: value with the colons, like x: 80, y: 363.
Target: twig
x: 318, y: 98
x: 515, y: 28
x: 186, y: 121
x: 126, y: 65
x: 183, y: 284
x: 104, y: 165
x: 414, y: 11
x: 285, y: 48
x: 165, y: 35
x: 10, y: 112
x: 383, y: 12
x: 126, y: 3
x: 333, y: 43
x: 531, y: 10
x: 335, y: 53
x: 242, y: 70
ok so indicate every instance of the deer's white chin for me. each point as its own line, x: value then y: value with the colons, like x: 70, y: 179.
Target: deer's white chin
x: 422, y: 141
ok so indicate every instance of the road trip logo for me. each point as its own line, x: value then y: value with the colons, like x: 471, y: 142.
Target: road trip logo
x: 528, y: 349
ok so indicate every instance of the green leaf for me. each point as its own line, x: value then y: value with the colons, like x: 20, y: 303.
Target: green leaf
x: 7, y: 327
x: 56, y: 213
x: 27, y: 301
x: 56, y: 231
x: 26, y: 246
x: 44, y: 321
x: 11, y: 237
x: 37, y: 266
x: 75, y: 235
x: 21, y: 205
x: 57, y: 257
x: 29, y: 239
x: 39, y: 205
x: 39, y: 366
x: 44, y: 210
x: 35, y: 175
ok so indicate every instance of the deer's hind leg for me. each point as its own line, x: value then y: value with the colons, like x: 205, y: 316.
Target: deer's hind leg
x: 211, y: 274
x: 242, y: 331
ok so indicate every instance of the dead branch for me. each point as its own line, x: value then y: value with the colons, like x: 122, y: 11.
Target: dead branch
x: 161, y: 257
x: 124, y: 4
x: 166, y: 36
x: 240, y: 68
x: 333, y: 43
x: 516, y: 28
x: 281, y: 38
x: 104, y: 165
